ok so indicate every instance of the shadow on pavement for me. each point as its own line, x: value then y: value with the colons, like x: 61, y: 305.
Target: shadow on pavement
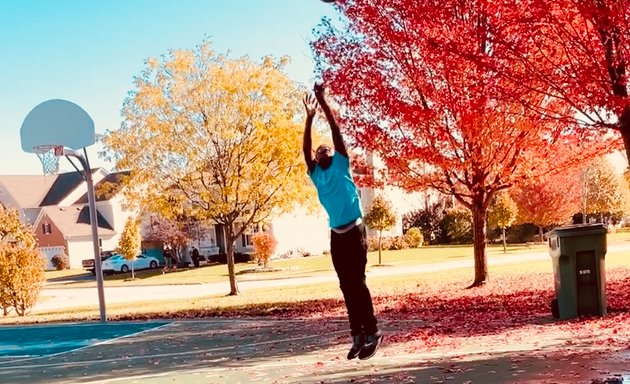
x: 71, y: 279
x: 289, y: 351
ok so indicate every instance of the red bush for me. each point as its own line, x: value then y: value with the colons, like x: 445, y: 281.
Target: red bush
x: 264, y: 246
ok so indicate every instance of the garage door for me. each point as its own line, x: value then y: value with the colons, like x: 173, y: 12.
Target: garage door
x: 48, y: 253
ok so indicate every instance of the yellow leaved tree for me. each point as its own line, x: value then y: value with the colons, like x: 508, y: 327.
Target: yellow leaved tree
x: 213, y: 138
x: 129, y: 242
x: 21, y: 264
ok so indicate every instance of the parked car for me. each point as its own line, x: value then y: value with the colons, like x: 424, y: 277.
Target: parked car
x: 88, y: 264
x: 118, y: 263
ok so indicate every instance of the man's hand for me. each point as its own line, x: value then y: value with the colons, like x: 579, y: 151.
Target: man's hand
x: 318, y: 88
x: 310, y: 104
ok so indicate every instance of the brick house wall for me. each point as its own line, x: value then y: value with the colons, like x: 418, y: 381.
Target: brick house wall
x: 48, y: 234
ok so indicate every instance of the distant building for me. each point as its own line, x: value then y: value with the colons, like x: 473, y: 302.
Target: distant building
x: 55, y: 206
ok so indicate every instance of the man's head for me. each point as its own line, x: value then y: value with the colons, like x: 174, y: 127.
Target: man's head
x: 323, y: 156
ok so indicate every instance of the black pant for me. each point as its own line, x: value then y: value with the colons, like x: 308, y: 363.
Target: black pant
x: 349, y: 256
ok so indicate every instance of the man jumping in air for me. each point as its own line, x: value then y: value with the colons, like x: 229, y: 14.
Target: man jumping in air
x: 330, y: 172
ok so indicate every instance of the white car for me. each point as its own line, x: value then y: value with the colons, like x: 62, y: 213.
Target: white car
x: 118, y: 263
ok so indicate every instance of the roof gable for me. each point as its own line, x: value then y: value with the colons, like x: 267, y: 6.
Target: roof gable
x: 65, y: 183
x: 108, y: 187
x: 31, y: 215
x: 25, y: 191
x: 75, y: 221
x: 84, y: 218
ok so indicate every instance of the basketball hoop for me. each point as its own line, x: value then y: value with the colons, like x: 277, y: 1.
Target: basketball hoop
x: 72, y: 129
x: 49, y: 156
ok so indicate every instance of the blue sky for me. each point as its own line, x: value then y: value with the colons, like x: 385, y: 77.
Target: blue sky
x: 88, y: 52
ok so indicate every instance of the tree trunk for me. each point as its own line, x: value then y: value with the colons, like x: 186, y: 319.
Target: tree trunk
x: 230, y: 259
x: 540, y: 233
x: 133, y: 274
x: 479, y: 244
x: 584, y: 185
x: 624, y: 128
x: 504, y: 241
x: 380, y: 236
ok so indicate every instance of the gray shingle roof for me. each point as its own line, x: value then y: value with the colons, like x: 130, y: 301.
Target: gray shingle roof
x: 31, y: 215
x: 25, y: 191
x: 64, y: 185
x: 104, y: 189
x: 75, y: 221
x: 34, y: 193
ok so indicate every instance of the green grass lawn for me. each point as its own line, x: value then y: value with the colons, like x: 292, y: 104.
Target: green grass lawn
x: 307, y: 266
x: 280, y: 296
x: 296, y: 267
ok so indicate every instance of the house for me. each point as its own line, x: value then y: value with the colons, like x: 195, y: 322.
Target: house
x: 56, y: 208
x: 297, y: 233
x: 402, y: 202
x: 303, y: 232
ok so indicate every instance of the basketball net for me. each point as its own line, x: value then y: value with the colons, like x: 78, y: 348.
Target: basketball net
x: 49, y: 156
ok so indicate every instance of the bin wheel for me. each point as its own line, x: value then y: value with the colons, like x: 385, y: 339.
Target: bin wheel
x: 555, y: 310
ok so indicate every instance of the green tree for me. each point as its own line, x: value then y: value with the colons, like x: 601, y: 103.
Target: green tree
x: 21, y: 264
x: 129, y: 243
x: 457, y: 226
x: 381, y: 217
x: 414, y: 237
x: 215, y: 139
x: 603, y: 191
x: 502, y: 214
x: 428, y: 219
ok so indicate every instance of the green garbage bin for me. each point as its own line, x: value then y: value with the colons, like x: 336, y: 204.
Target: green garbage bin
x: 577, y: 253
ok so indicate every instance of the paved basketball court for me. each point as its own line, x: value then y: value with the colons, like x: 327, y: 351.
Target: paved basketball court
x: 262, y: 351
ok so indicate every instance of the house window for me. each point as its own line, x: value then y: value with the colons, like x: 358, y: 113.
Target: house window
x: 246, y: 237
x: 46, y: 228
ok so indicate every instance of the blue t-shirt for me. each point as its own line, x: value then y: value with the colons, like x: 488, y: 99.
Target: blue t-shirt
x: 337, y: 191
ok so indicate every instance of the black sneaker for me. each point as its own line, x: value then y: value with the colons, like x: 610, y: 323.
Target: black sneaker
x: 371, y: 345
x: 357, y: 345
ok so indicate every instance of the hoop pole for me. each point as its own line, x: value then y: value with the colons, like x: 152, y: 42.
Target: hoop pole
x: 98, y: 268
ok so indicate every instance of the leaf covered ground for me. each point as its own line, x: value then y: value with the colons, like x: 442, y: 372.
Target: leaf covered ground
x: 513, y: 309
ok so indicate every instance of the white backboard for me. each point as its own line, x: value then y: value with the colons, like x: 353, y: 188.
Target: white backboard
x: 57, y: 122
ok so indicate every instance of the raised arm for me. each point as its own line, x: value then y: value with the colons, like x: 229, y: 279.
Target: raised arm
x: 310, y: 104
x: 334, y: 127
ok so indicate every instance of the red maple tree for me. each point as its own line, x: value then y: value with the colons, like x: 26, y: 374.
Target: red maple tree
x: 177, y: 233
x: 549, y: 201
x: 421, y: 84
x: 576, y: 51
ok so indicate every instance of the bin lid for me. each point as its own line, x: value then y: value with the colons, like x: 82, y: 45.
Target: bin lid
x: 579, y: 230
